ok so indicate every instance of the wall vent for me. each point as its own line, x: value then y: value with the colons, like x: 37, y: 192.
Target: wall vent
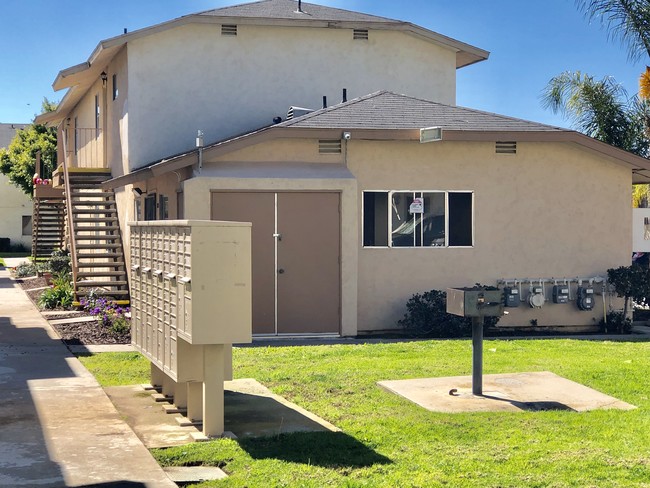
x: 508, y: 147
x: 329, y: 146
x: 228, y: 30
x: 295, y: 112
x: 360, y: 34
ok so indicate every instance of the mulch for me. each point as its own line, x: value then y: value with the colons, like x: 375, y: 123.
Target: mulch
x: 77, y: 333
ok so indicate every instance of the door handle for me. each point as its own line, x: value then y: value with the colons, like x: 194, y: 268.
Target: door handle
x: 281, y: 271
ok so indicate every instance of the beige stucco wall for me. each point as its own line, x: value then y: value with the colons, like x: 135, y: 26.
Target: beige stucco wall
x: 551, y: 210
x: 117, y: 115
x: 14, y: 204
x: 197, y: 193
x: 190, y: 78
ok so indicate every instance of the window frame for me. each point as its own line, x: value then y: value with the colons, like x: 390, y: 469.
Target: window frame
x: 389, y: 218
x: 115, y: 89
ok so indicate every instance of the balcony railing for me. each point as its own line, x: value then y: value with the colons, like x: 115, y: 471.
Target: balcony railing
x: 85, y: 148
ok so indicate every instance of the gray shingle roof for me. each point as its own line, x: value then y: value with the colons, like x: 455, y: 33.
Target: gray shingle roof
x: 288, y: 9
x: 7, y: 133
x: 388, y: 110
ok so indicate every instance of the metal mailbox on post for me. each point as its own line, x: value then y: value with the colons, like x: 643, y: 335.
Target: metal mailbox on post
x: 190, y: 297
x: 477, y: 303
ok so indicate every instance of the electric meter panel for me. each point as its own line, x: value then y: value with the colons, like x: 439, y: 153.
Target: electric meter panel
x: 512, y: 297
x: 586, y: 298
x: 561, y: 294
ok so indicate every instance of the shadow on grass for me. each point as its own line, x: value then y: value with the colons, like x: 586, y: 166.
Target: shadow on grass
x: 324, y: 449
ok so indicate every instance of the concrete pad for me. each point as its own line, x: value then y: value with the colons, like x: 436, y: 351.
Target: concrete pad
x: 93, y: 349
x: 151, y: 424
x: 196, y: 474
x: 251, y: 410
x: 513, y: 392
x: 72, y: 320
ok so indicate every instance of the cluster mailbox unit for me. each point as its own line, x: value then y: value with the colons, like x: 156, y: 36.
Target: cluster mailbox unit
x: 190, y: 298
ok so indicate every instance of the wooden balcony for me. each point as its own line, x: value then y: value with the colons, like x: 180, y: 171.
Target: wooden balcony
x: 86, y: 148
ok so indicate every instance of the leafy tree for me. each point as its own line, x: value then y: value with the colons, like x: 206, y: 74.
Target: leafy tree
x: 631, y: 282
x: 18, y: 161
x: 601, y: 109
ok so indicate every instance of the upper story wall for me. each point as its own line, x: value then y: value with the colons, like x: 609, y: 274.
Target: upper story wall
x: 192, y: 78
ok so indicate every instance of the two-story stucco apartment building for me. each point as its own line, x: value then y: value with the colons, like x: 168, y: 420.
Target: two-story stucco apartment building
x: 15, y: 206
x: 354, y: 207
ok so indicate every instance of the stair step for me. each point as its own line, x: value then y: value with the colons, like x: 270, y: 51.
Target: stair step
x: 92, y: 283
x: 97, y: 274
x: 104, y: 293
x: 88, y: 218
x: 95, y: 194
x: 98, y: 246
x: 98, y: 228
x: 92, y: 220
x: 97, y: 238
x: 113, y: 264
x: 82, y: 211
x: 99, y: 255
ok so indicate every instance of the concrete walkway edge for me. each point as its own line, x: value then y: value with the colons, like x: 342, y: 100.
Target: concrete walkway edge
x: 59, y: 427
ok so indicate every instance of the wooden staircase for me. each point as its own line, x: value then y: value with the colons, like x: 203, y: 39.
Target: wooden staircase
x: 48, y: 222
x: 96, y: 242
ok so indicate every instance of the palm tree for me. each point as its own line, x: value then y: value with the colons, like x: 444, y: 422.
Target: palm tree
x: 600, y: 109
x: 629, y: 22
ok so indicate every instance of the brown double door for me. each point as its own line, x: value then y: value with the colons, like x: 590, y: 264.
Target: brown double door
x: 295, y: 251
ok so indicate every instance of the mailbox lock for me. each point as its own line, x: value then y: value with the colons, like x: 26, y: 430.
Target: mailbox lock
x: 281, y: 271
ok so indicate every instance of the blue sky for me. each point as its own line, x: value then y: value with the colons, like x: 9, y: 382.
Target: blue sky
x: 530, y: 42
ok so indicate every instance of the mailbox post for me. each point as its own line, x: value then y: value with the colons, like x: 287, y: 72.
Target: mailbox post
x: 476, y: 303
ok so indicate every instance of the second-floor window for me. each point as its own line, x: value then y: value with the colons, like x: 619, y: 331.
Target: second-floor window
x: 97, y: 114
x: 115, y: 91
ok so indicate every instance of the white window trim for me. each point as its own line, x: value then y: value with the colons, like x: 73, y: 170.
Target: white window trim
x: 390, y: 219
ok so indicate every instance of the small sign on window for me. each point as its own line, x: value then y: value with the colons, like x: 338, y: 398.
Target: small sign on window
x: 417, y: 207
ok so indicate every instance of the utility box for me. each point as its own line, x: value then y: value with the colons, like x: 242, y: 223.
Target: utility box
x: 560, y: 293
x: 512, y: 296
x: 475, y: 302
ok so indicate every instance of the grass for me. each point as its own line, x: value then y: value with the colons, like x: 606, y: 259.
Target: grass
x: 390, y: 442
x: 117, y: 368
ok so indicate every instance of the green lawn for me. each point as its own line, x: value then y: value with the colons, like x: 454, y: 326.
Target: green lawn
x: 390, y: 442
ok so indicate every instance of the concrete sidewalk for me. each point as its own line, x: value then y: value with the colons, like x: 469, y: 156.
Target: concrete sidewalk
x: 57, y: 426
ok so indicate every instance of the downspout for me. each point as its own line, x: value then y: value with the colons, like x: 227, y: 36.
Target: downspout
x: 199, y: 145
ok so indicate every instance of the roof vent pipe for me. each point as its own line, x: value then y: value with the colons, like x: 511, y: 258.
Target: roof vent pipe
x: 324, y: 102
x: 125, y: 30
x: 300, y: 6
x: 345, y: 95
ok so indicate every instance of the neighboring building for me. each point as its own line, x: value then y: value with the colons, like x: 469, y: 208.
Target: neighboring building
x: 335, y: 247
x: 15, y: 206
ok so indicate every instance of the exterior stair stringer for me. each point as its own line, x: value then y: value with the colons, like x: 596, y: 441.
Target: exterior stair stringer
x: 99, y: 263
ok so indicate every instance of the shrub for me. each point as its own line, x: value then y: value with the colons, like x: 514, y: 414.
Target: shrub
x: 60, y: 294
x: 617, y: 322
x: 630, y: 282
x: 426, y: 316
x: 25, y: 269
x: 110, y: 315
x: 60, y: 262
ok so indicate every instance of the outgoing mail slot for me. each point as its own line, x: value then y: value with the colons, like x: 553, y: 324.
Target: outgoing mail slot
x: 475, y: 302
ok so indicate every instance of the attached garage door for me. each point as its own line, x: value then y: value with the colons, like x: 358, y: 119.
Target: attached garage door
x: 296, y: 265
